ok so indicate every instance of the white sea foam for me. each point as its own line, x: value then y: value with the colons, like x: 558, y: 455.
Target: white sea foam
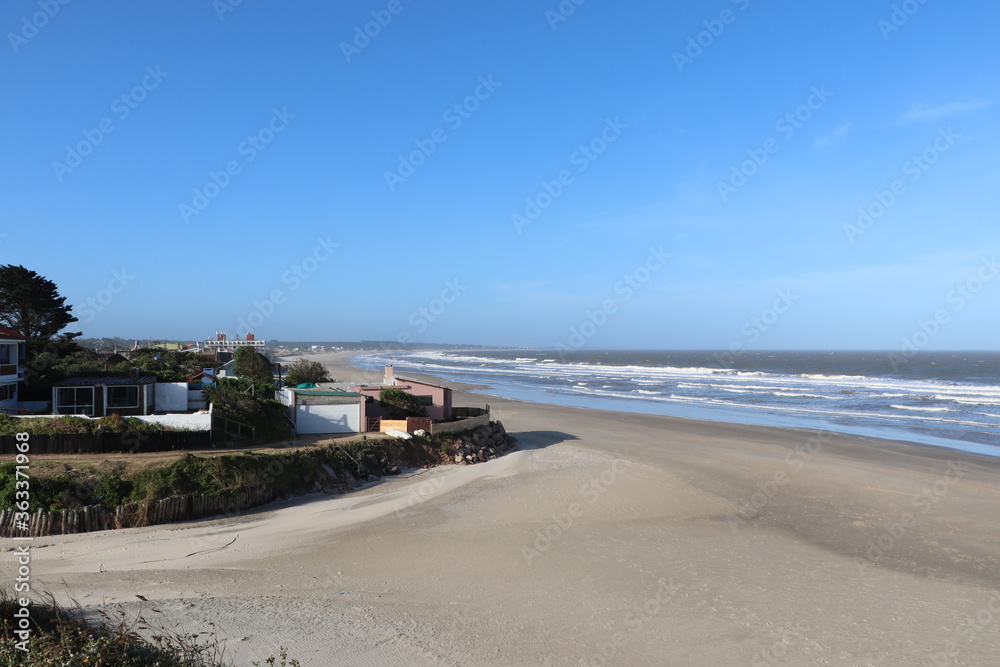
x: 914, y: 405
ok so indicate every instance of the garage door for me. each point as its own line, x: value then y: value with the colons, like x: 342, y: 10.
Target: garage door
x: 329, y: 418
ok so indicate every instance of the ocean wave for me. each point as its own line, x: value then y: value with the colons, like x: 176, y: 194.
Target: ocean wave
x: 921, y: 409
x: 966, y: 399
x: 804, y: 395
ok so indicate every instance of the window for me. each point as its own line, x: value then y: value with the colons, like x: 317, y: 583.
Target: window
x: 75, y: 400
x: 123, y: 397
x: 6, y: 356
x: 8, y: 391
x: 426, y: 400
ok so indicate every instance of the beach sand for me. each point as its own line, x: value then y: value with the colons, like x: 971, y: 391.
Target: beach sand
x: 611, y: 538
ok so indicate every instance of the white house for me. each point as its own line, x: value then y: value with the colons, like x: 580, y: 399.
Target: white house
x: 325, y: 410
x: 12, y: 352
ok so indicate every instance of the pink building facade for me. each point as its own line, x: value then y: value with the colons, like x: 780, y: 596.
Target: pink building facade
x: 435, y: 398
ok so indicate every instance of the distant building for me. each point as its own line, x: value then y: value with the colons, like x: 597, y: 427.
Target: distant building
x: 12, y: 354
x: 222, y: 343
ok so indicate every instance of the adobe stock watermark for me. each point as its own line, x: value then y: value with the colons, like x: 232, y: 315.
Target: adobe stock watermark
x: 223, y: 7
x: 455, y: 115
x: 635, y: 621
x: 421, y: 318
x: 122, y: 107
x: 696, y: 44
x: 777, y: 652
x: 626, y: 288
x: 581, y: 159
x: 970, y: 629
x: 591, y: 491
x: 363, y: 35
x: 96, y: 304
x: 420, y: 493
x: 786, y: 127
x: 923, y: 502
x: 562, y: 13
x: 900, y: 15
x: 30, y: 25
x: 795, y: 460
x: 758, y: 325
x: 915, y: 168
x: 957, y: 298
x: 296, y: 275
x: 248, y: 149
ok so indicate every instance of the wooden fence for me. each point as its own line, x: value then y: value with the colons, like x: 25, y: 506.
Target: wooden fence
x: 105, y: 443
x: 132, y: 515
x: 398, y: 424
x: 410, y: 424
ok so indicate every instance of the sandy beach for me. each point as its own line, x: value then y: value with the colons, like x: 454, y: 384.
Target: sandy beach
x: 610, y: 538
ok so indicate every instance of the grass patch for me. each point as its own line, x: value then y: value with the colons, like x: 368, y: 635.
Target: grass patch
x: 287, y: 471
x: 61, y: 636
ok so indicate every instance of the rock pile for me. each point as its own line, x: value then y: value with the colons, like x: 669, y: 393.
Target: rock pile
x: 483, y: 444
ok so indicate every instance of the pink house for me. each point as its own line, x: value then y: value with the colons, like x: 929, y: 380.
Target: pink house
x: 435, y: 398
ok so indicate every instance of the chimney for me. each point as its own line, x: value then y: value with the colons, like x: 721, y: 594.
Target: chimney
x: 388, y: 372
x: 249, y: 336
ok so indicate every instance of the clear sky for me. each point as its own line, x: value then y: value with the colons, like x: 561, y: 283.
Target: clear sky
x: 605, y: 175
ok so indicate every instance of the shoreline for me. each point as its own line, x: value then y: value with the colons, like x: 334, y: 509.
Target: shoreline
x: 610, y: 538
x: 476, y: 393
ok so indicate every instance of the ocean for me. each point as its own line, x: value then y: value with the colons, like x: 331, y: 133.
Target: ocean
x: 947, y: 399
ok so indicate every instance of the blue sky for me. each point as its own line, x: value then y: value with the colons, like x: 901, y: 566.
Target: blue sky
x: 601, y: 175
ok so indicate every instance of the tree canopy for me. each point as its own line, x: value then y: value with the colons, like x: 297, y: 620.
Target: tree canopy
x: 31, y: 305
x: 252, y: 365
x: 306, y: 371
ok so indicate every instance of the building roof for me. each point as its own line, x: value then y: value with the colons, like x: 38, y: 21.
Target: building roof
x: 10, y: 334
x: 426, y: 384
x: 81, y: 382
x: 325, y: 392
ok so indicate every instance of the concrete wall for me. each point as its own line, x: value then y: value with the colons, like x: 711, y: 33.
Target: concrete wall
x: 199, y: 421
x: 460, y: 425
x: 196, y: 399
x: 171, y: 397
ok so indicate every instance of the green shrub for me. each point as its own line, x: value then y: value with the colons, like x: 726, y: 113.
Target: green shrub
x: 113, y: 491
x: 401, y: 404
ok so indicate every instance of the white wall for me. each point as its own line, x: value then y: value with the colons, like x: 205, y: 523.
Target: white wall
x: 171, y: 396
x: 199, y: 421
x: 341, y: 418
